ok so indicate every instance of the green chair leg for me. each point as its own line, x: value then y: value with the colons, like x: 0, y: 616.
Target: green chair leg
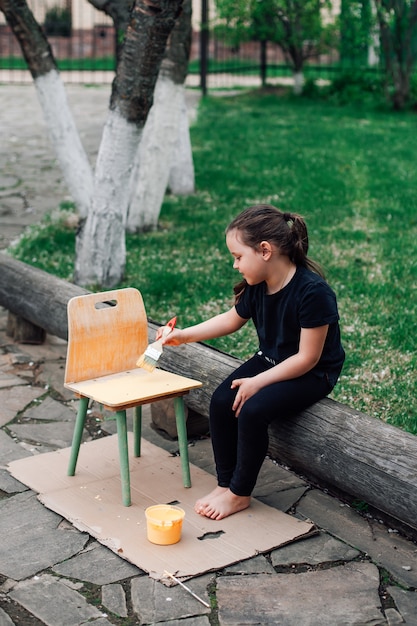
x: 77, y: 436
x: 123, y: 457
x: 182, y: 440
x: 137, y: 429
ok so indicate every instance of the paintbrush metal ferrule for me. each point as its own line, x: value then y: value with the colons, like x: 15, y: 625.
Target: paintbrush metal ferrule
x: 153, y: 352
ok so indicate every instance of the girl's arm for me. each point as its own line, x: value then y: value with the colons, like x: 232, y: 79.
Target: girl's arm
x: 218, y: 326
x: 309, y: 353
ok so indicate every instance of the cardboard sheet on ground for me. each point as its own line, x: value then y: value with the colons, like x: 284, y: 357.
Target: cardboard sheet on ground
x: 91, y: 501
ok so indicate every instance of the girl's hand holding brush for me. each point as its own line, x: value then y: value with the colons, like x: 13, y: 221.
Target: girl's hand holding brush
x: 175, y: 337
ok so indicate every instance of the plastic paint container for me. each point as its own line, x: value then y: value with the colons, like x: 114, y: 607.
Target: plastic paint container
x: 164, y: 523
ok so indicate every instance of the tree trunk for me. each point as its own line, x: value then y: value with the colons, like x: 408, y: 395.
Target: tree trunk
x: 298, y: 83
x: 119, y: 11
x: 181, y: 176
x: 100, y: 244
x: 397, y: 28
x: 53, y: 100
x: 159, y: 144
x: 165, y: 145
x: 64, y: 136
x: 101, y: 253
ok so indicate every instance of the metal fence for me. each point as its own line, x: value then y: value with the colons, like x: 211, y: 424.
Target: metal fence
x: 83, y: 43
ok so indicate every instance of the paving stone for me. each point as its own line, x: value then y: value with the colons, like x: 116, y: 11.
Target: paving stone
x: 274, y: 477
x: 10, y: 450
x: 34, y: 539
x: 109, y: 424
x: 154, y: 436
x: 256, y: 565
x: 11, y: 347
x: 8, y: 380
x: 66, y: 394
x: 23, y: 367
x: 8, y: 484
x: 340, y: 596
x: 20, y: 358
x: 393, y: 617
x: 154, y: 602
x: 8, y: 181
x: 113, y: 598
x: 72, y: 584
x: 5, y: 620
x: 52, y: 351
x: 312, y: 551
x: 54, y: 603
x: 283, y: 500
x: 97, y: 565
x: 163, y: 418
x: 201, y: 454
x: 52, y: 376
x: 4, y: 358
x: 406, y: 603
x: 9, y: 233
x: 14, y: 400
x: 52, y: 435
x: 50, y: 410
x: 389, y: 550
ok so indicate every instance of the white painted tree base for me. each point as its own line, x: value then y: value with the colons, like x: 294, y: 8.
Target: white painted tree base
x: 299, y: 82
x: 164, y: 156
x: 65, y: 139
x: 181, y: 176
x: 101, y: 248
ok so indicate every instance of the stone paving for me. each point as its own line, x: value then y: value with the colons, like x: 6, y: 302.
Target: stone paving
x: 356, y: 571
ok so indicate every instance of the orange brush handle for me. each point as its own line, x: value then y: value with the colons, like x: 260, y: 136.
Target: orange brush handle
x: 172, y: 323
x: 168, y: 328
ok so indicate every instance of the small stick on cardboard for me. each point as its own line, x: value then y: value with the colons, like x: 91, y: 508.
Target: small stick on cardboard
x: 187, y: 589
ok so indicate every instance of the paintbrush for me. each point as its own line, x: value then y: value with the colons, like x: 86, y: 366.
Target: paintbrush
x: 150, y: 357
x: 187, y: 589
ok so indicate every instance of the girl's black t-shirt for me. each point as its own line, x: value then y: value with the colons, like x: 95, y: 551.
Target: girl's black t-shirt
x: 306, y: 302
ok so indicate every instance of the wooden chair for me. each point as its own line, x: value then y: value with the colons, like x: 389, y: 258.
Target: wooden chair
x: 107, y: 333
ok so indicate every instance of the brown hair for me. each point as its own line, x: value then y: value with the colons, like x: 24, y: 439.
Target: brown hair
x: 286, y: 231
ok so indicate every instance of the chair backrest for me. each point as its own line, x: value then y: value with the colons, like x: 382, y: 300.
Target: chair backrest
x: 107, y: 333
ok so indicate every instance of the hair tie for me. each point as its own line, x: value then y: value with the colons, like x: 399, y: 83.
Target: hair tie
x: 289, y: 219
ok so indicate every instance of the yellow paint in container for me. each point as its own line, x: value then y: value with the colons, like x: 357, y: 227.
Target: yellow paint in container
x: 164, y: 523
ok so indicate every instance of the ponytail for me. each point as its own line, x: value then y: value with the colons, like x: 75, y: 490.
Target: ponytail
x: 299, y: 253
x: 287, y: 231
x: 238, y: 289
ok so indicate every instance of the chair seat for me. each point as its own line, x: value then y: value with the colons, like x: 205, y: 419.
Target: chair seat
x: 133, y: 387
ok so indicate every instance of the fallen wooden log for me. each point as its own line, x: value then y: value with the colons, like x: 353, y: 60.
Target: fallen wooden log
x: 36, y: 296
x: 352, y: 453
x: 329, y: 443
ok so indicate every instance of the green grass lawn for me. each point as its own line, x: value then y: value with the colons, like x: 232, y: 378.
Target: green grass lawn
x: 350, y: 172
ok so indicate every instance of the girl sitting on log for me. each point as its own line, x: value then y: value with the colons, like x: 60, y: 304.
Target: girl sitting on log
x: 299, y: 358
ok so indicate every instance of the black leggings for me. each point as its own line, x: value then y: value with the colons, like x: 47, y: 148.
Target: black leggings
x: 240, y: 444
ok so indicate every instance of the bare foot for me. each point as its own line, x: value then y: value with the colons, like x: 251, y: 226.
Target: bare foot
x: 225, y: 504
x: 202, y: 503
